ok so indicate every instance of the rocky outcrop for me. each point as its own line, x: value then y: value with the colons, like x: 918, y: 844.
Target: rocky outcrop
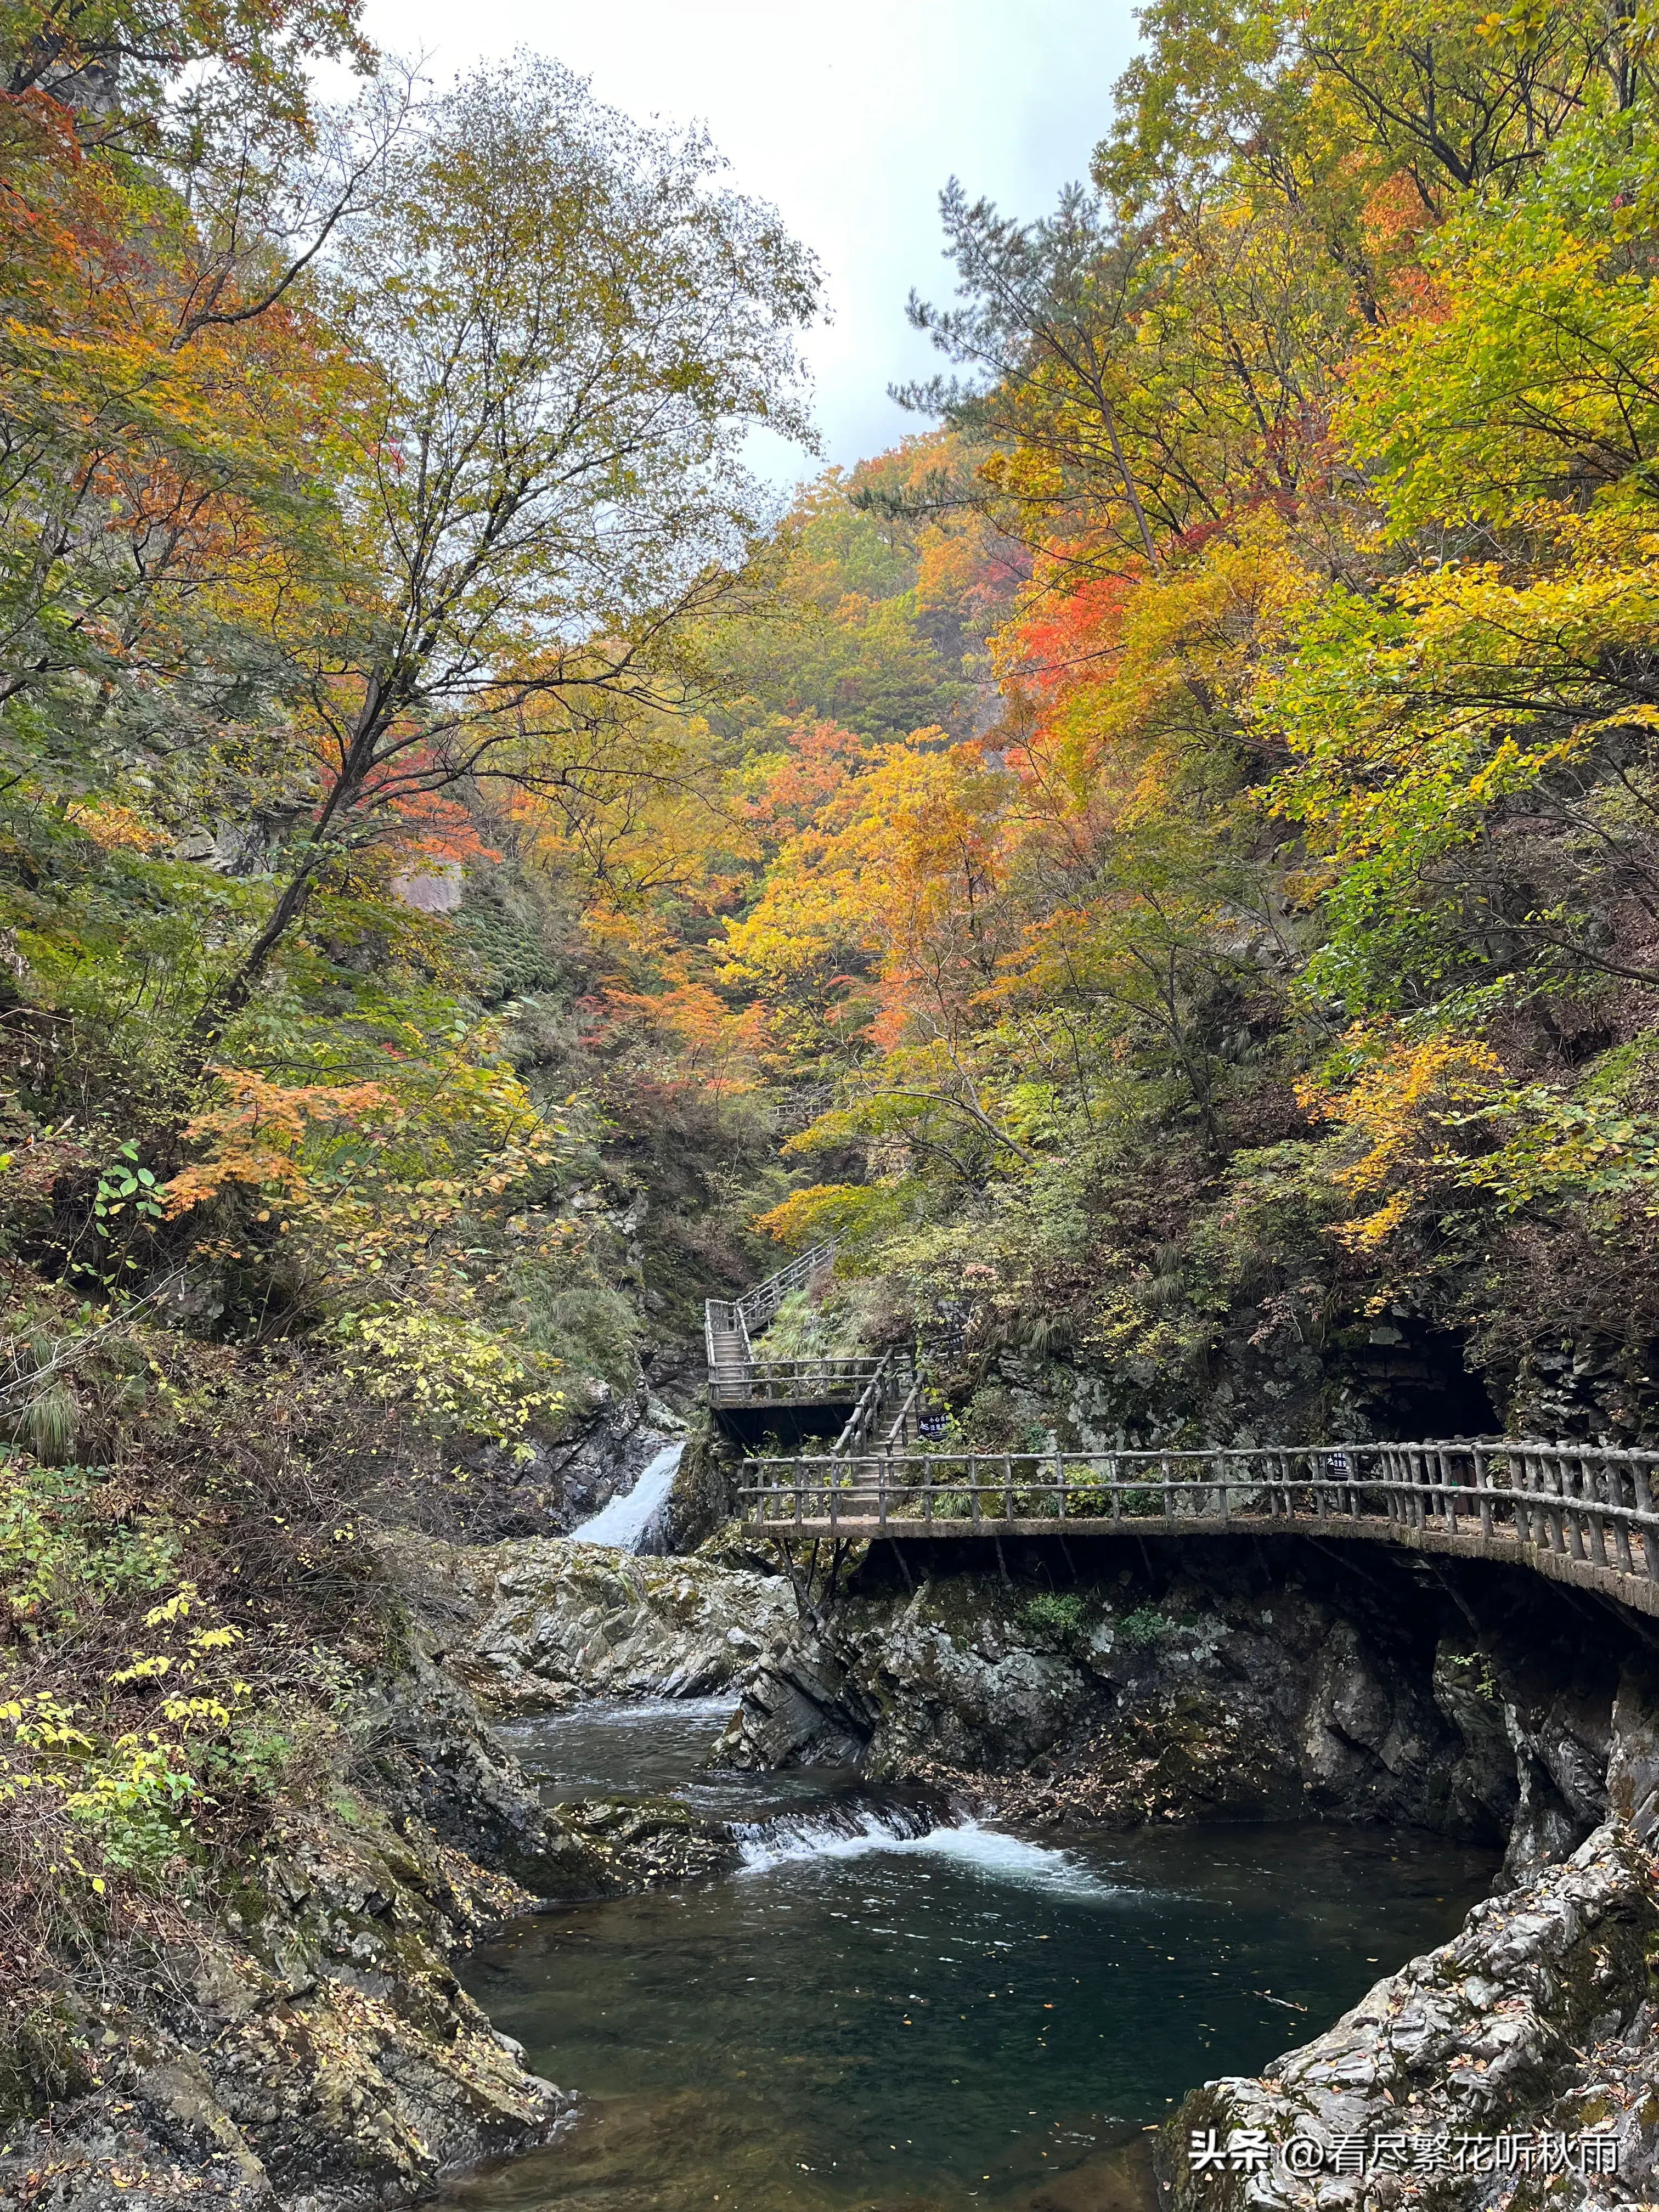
x: 557, y: 1482
x: 1482, y: 2065
x: 533, y: 1624
x: 643, y: 1842
x: 1535, y: 2020
x: 314, y: 2050
x: 703, y: 1497
x: 1281, y: 1683
x: 310, y: 2047
x: 625, y: 1434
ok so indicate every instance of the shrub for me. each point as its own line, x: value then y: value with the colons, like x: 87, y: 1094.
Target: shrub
x: 1053, y: 1619
x: 1142, y: 1628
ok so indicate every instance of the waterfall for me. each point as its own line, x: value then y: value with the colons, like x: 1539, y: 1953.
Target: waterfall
x: 832, y: 1832
x: 625, y: 1523
x: 851, y: 1832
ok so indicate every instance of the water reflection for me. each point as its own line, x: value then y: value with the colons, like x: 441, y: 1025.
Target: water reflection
x: 871, y: 2019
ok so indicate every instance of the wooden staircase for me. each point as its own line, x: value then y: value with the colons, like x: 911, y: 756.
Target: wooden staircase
x: 754, y: 1398
x: 729, y: 1357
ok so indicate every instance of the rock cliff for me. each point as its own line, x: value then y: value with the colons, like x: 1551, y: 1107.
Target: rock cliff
x: 1278, y: 1681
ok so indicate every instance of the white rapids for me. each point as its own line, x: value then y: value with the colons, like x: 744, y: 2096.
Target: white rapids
x: 625, y: 1523
x: 985, y: 1851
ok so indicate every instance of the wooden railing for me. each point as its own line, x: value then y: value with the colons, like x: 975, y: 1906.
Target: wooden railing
x: 896, y: 1437
x: 818, y: 1380
x: 756, y: 1308
x: 730, y: 1324
x: 1581, y: 1513
x: 894, y: 1376
x: 723, y: 1321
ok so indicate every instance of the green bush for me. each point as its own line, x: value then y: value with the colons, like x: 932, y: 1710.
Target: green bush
x: 1142, y: 1628
x: 1054, y: 1620
x: 59, y: 1564
x: 590, y: 1328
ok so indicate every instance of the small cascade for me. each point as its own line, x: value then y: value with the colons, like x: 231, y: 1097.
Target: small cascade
x: 846, y: 1831
x: 832, y: 1832
x: 626, y: 1524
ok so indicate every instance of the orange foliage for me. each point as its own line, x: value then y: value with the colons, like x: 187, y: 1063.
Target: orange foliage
x: 1065, y: 633
x: 897, y: 881
x: 788, y: 794
x: 255, y: 1135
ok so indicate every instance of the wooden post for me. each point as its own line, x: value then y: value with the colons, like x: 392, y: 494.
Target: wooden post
x: 1639, y: 1484
x: 1553, y: 1522
x: 1615, y: 1479
x: 1549, y: 1483
x: 1007, y: 1494
x: 1561, y: 1484
x: 1569, y: 1480
x: 1593, y: 1491
x: 1481, y: 1487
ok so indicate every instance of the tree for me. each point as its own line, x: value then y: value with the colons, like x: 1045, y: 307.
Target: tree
x: 567, y: 330
x: 1133, y: 382
x: 143, y: 72
x: 1474, y: 739
x: 166, y: 394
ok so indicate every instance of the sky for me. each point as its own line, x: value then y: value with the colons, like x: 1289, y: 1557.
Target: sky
x: 849, y: 116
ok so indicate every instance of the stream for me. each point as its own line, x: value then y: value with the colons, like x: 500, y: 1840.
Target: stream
x: 860, y: 2018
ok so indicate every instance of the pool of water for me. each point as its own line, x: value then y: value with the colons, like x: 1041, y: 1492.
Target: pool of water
x: 661, y: 1746
x: 865, y: 2020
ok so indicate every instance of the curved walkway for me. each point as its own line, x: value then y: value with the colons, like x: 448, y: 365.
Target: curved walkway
x: 1583, y: 1515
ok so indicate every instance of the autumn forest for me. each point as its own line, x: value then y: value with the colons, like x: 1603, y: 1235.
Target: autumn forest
x: 1163, y: 864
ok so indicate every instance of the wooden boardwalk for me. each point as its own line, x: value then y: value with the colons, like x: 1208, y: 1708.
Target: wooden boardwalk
x: 857, y: 1401
x: 1579, y: 1514
x: 1583, y: 1515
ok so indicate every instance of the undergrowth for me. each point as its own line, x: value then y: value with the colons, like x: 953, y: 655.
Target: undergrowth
x: 183, y: 1610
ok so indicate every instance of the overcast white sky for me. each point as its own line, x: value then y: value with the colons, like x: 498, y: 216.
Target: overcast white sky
x: 849, y: 117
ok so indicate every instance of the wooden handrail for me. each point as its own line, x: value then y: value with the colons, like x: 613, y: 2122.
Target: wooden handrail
x: 735, y: 1317
x: 821, y: 1379
x: 890, y: 1366
x: 1581, y: 1513
x: 894, y: 1440
x: 759, y: 1305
